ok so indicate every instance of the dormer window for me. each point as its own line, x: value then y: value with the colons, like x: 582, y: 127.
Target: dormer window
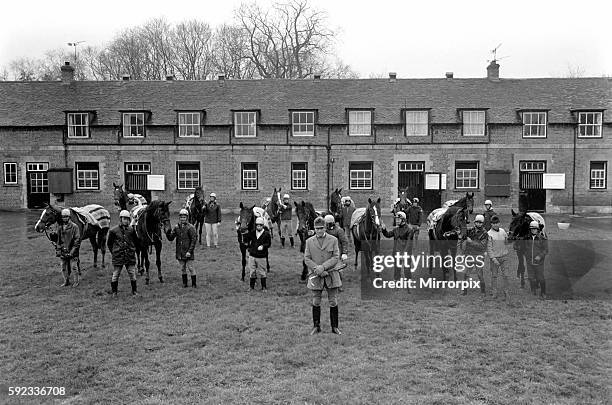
x: 133, y: 125
x: 534, y: 124
x: 302, y: 123
x: 589, y: 124
x: 78, y: 124
x: 245, y: 124
x: 360, y: 122
x: 473, y: 122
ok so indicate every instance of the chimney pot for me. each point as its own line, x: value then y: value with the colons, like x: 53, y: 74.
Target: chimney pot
x: 67, y: 73
x: 169, y: 77
x: 449, y: 75
x: 221, y: 77
x: 392, y: 76
x: 317, y: 78
x: 125, y: 77
x: 493, y: 71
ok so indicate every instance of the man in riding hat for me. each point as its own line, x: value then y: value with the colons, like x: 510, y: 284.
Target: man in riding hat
x: 475, y: 244
x: 258, y: 242
x: 285, y: 217
x: 488, y: 214
x: 536, y: 251
x: 402, y: 236
x: 186, y: 239
x: 414, y: 217
x: 122, y: 242
x: 68, y: 238
x: 212, y: 221
x: 345, y: 217
x: 321, y: 257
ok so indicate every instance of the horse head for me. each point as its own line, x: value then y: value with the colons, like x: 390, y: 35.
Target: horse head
x: 453, y: 224
x: 519, y: 225
x: 306, y: 215
x: 335, y: 201
x: 469, y: 202
x: 161, y: 213
x: 246, y: 218
x: 373, y: 214
x: 120, y: 197
x: 198, y: 195
x: 274, y: 208
x: 48, y: 217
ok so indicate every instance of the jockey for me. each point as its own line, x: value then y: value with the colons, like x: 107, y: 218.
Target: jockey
x: 258, y: 241
x: 68, y: 239
x: 122, y: 242
x: 402, y: 236
x: 537, y: 249
x: 186, y: 238
x: 285, y: 217
x: 488, y: 214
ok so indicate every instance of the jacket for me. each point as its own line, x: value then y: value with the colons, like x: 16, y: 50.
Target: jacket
x: 286, y: 212
x: 413, y: 215
x: 401, y: 238
x: 253, y: 243
x: 323, y: 252
x: 496, y: 246
x: 537, y: 246
x: 122, y: 242
x: 488, y: 214
x: 186, y: 238
x: 346, y: 214
x: 342, y: 239
x: 213, y: 213
x: 68, y: 240
x: 478, y: 244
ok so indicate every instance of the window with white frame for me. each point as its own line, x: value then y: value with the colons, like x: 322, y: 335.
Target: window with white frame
x: 133, y: 125
x: 78, y: 125
x: 299, y: 176
x: 532, y: 166
x: 589, y: 124
x: 598, y: 175
x: 473, y: 123
x: 411, y: 166
x: 10, y: 173
x: 138, y: 167
x: 466, y: 174
x: 417, y: 123
x: 360, y: 175
x: 249, y: 176
x: 245, y: 124
x: 88, y: 175
x: 189, y: 124
x: 302, y: 123
x: 534, y: 124
x: 360, y: 123
x: 187, y: 175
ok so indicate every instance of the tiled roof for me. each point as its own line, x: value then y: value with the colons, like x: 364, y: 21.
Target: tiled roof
x: 44, y: 103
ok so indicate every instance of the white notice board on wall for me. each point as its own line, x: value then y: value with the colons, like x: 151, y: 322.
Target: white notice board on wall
x: 554, y: 181
x: 435, y: 181
x: 156, y: 182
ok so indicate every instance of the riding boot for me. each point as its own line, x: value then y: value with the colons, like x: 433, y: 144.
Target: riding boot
x: 542, y: 289
x: 532, y: 286
x: 252, y: 282
x: 184, y: 280
x: 316, y: 320
x: 134, y: 287
x: 482, y: 287
x: 522, y: 281
x: 264, y: 287
x: 292, y: 241
x: 194, y: 284
x: 333, y: 316
x: 114, y: 285
x: 283, y: 241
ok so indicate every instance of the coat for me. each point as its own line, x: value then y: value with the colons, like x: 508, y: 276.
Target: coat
x: 346, y: 214
x: 414, y: 215
x: 68, y: 238
x: 401, y: 238
x: 186, y: 239
x: 536, y: 246
x: 342, y: 239
x: 253, y: 243
x: 488, y: 214
x: 478, y: 244
x: 213, y: 213
x: 285, y: 213
x: 327, y: 254
x: 122, y: 242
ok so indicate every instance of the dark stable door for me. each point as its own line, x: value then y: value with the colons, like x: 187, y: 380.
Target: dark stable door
x: 38, y: 189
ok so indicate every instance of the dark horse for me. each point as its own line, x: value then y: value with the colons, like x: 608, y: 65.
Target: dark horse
x: 518, y: 231
x: 148, y: 231
x: 335, y: 204
x: 123, y: 202
x: 196, y: 205
x: 366, y: 233
x: 244, y: 225
x: 402, y: 205
x: 306, y: 215
x: 273, y: 209
x: 95, y: 233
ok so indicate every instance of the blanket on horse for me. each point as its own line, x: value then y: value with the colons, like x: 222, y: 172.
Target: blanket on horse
x: 434, y: 217
x: 94, y: 215
x: 357, y: 216
x: 135, y: 213
x: 261, y: 212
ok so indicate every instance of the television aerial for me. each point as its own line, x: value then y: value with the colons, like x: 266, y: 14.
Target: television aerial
x: 494, y: 53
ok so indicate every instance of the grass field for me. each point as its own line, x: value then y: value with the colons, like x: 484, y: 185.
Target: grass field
x: 221, y: 344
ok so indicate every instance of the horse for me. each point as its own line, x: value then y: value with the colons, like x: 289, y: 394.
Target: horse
x: 124, y: 202
x: 93, y: 222
x: 446, y: 226
x: 245, y: 224
x: 148, y: 232
x: 274, y: 211
x: 365, y: 226
x: 195, y: 204
x: 518, y: 231
x: 335, y: 204
x: 306, y: 215
x: 402, y: 205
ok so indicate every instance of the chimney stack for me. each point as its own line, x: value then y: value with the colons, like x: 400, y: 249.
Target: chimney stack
x: 67, y: 73
x: 317, y: 78
x: 169, y: 77
x: 449, y: 75
x: 392, y: 76
x: 125, y: 78
x: 493, y: 71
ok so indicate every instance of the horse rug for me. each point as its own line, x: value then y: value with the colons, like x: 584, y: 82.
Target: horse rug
x: 135, y: 213
x: 434, y: 217
x: 357, y: 216
x: 94, y: 215
x: 260, y: 212
x: 449, y: 203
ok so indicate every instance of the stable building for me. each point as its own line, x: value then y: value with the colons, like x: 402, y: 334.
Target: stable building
x: 537, y: 144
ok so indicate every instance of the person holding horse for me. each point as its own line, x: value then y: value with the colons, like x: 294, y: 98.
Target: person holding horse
x: 321, y: 256
x: 402, y: 242
x: 345, y: 217
x: 498, y: 254
x: 475, y: 244
x: 122, y: 242
x: 212, y: 221
x: 537, y: 249
x: 285, y: 217
x: 488, y: 214
x: 336, y: 231
x: 186, y: 238
x: 414, y: 215
x: 68, y: 238
x: 258, y: 242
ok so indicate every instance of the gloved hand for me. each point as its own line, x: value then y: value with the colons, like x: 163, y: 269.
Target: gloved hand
x: 344, y: 256
x: 260, y: 247
x: 324, y: 273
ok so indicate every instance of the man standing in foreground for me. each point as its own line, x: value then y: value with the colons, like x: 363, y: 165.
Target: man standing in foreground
x: 68, y: 239
x: 122, y: 243
x: 186, y: 238
x: 321, y: 257
x: 498, y: 253
x: 212, y: 219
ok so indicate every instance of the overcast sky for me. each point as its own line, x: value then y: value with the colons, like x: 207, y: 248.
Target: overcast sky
x: 414, y: 39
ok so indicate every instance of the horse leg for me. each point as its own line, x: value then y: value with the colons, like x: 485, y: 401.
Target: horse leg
x: 267, y: 263
x: 357, y: 244
x: 200, y: 224
x: 243, y: 252
x: 158, y: 248
x: 102, y: 244
x: 94, y: 247
x: 146, y: 263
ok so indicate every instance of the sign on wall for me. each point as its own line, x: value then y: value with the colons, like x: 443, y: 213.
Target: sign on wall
x: 156, y: 182
x: 554, y: 181
x: 435, y: 181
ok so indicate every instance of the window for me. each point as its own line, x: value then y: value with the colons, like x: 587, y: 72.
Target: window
x: 360, y: 175
x: 534, y: 125
x: 589, y: 124
x: 410, y: 166
x: 88, y: 175
x: 473, y: 123
x: 245, y: 124
x: 188, y: 175
x: 299, y: 176
x: 598, y: 175
x: 133, y: 125
x: 466, y: 174
x: 78, y: 125
x: 249, y: 176
x: 10, y: 173
x: 532, y: 166
x: 417, y: 123
x: 302, y: 123
x: 360, y: 123
x: 189, y: 124
x: 138, y: 167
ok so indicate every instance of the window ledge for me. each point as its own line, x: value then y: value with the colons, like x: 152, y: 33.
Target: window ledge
x: 87, y: 191
x: 11, y: 185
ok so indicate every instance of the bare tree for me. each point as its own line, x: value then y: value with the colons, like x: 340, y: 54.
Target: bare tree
x: 231, y: 53
x: 23, y: 69
x: 192, y: 46
x: 574, y: 71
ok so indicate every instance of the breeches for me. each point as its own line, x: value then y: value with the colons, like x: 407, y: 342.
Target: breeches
x: 501, y: 270
x: 257, y: 267
x: 187, y: 266
x: 212, y: 233
x: 415, y: 231
x: 67, y: 266
x: 471, y: 271
x: 129, y: 268
x: 332, y: 297
x: 535, y: 272
x: 285, y: 229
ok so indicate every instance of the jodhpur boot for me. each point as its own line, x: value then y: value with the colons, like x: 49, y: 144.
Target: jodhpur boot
x: 543, y: 289
x: 532, y: 286
x: 316, y: 320
x: 264, y: 287
x: 184, y: 280
x: 134, y: 287
x: 482, y: 288
x: 114, y: 285
x: 333, y: 316
x: 282, y: 241
x: 252, y: 282
x: 522, y: 281
x: 194, y: 284
x: 292, y: 241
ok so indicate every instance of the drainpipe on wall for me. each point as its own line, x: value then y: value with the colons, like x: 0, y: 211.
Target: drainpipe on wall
x: 574, y: 177
x: 329, y: 164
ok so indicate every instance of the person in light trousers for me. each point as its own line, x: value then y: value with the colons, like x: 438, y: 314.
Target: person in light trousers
x: 498, y: 254
x: 212, y: 219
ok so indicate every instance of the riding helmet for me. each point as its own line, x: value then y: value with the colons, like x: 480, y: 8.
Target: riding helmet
x: 124, y: 213
x: 329, y: 219
x: 534, y: 224
x: 259, y: 220
x: 65, y: 212
x: 183, y: 211
x: 479, y: 218
x: 488, y: 202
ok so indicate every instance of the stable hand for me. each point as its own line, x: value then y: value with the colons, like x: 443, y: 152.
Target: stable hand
x: 344, y: 257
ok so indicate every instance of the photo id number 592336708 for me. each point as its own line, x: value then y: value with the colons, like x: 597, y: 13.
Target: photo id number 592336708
x: 36, y: 391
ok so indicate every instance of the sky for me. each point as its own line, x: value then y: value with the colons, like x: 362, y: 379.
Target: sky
x: 415, y: 39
